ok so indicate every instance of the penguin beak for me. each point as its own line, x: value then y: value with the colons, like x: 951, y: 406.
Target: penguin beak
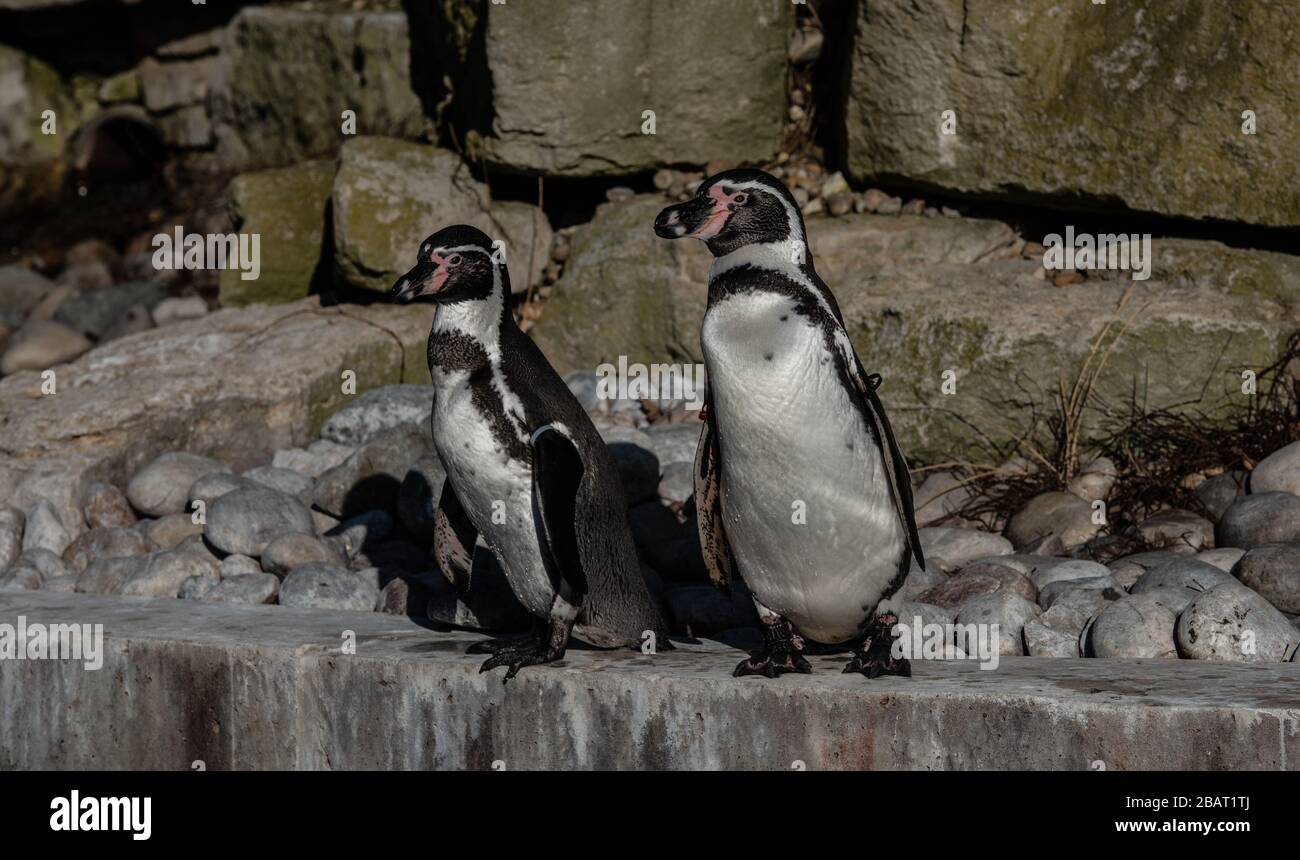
x: 422, y: 280
x: 689, y: 218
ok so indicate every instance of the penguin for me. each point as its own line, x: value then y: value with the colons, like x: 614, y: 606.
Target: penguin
x: 800, y: 486
x: 526, y: 469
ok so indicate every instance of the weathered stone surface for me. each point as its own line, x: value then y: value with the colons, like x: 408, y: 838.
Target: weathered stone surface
x: 238, y: 565
x: 959, y: 547
x: 45, y: 530
x: 314, y: 460
x: 1032, y: 109
x: 245, y: 588
x: 1278, y: 472
x: 978, y: 579
x: 1009, y: 611
x: 584, y: 116
x: 286, y: 481
x: 1177, y: 530
x: 923, y: 293
x: 377, y: 410
x: 165, y: 572
x: 371, y: 478
x: 1055, y: 633
x: 1067, y: 570
x: 1218, y: 492
x: 390, y: 195
x: 12, y: 523
x: 163, y: 486
x: 21, y: 289
x: 211, y: 487
x: 29, y: 171
x: 1229, y: 623
x: 1258, y: 519
x: 287, y: 75
x: 1053, y: 592
x: 105, y: 575
x: 1273, y: 570
x: 170, y: 531
x: 107, y: 507
x: 1177, y: 583
x: 236, y: 385
x: 325, y: 586
x: 103, y: 543
x: 1223, y: 558
x: 169, y: 85
x: 196, y: 587
x: 40, y: 345
x: 287, y: 208
x: 1064, y: 515
x: 281, y: 689
x: 292, y: 550
x: 1137, y: 626
x: 247, y: 520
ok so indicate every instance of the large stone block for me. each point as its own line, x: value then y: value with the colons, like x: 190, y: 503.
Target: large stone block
x: 1136, y: 104
x: 390, y: 195
x: 287, y: 207
x: 568, y: 82
x: 287, y: 75
x: 921, y: 296
x: 237, y: 385
x: 270, y: 689
x: 30, y: 167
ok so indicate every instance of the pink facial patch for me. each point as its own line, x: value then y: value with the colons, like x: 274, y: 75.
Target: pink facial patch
x: 441, y: 275
x: 718, y: 217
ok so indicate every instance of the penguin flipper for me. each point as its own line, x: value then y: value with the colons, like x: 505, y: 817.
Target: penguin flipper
x: 708, y: 508
x: 453, y: 539
x: 896, y: 469
x: 557, y: 474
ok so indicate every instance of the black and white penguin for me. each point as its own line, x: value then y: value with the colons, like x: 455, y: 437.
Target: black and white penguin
x: 526, y: 468
x: 800, y: 485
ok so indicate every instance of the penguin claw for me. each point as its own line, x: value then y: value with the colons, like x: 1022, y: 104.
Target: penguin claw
x: 781, y: 653
x: 875, y: 658
x: 494, y: 646
x: 772, y: 665
x: 517, y: 656
x: 875, y: 667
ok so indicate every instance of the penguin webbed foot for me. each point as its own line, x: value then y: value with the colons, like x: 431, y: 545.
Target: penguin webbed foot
x: 874, y: 656
x: 781, y: 654
x: 493, y: 646
x: 520, y: 653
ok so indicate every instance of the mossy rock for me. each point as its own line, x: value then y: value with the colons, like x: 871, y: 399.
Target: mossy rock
x: 288, y: 208
x: 389, y: 195
x: 921, y: 296
x: 1137, y: 104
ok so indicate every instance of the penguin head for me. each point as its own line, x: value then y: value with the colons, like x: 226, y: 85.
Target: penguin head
x: 455, y: 264
x: 733, y: 209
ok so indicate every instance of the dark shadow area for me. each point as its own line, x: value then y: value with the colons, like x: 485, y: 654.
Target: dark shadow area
x: 105, y: 37
x: 1034, y: 215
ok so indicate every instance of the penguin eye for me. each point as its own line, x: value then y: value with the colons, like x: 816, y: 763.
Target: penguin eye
x: 453, y: 260
x: 740, y: 199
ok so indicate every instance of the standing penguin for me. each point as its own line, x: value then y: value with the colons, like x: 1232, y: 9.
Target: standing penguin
x: 799, y: 483
x: 526, y: 468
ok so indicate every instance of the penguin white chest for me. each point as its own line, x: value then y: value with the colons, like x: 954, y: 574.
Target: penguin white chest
x: 495, y: 488
x: 805, y: 498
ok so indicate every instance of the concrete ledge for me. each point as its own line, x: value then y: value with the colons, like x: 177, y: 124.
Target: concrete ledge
x: 249, y: 687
